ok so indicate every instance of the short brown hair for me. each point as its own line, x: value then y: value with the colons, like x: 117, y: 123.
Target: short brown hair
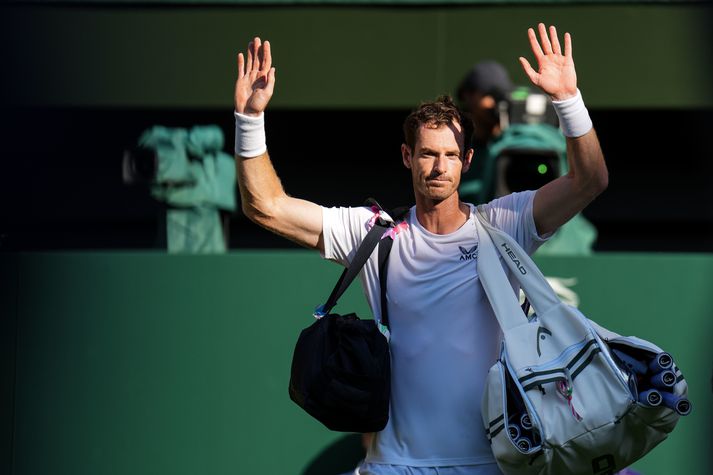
x: 442, y: 111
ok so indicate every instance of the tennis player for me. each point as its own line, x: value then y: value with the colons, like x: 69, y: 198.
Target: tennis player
x: 444, y: 336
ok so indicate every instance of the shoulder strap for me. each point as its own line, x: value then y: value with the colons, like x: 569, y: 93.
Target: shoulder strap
x: 371, y: 240
x: 494, y: 281
x: 521, y: 267
x: 384, y: 250
x: 365, y: 249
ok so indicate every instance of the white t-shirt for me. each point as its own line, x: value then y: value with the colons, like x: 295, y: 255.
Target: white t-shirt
x: 444, y: 336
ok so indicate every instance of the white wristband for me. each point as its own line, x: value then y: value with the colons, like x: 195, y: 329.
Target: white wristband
x: 249, y: 135
x: 573, y: 115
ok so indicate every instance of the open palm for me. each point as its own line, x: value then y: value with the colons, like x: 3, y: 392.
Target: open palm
x: 556, y: 75
x: 256, y: 79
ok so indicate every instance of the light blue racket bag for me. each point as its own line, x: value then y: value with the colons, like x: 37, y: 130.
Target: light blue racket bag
x: 566, y: 395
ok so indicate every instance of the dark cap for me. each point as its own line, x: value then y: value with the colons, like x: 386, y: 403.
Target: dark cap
x: 487, y: 77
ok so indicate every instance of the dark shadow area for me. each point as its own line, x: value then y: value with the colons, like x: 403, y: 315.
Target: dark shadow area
x: 342, y: 456
x: 61, y: 185
x: 9, y: 289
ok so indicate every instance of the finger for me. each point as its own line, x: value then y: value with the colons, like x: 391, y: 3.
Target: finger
x: 270, y: 86
x: 249, y: 62
x: 241, y: 65
x: 536, y: 50
x: 258, y: 53
x: 267, y: 57
x: 568, y: 45
x: 555, y: 41
x: 546, y: 46
x: 531, y: 73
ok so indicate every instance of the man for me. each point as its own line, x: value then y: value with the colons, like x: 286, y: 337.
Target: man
x: 444, y: 336
x: 482, y: 90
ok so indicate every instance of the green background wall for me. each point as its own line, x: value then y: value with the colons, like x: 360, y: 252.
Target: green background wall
x: 147, y: 363
x: 627, y: 56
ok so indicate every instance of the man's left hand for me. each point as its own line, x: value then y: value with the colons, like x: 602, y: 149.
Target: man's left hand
x: 556, y: 75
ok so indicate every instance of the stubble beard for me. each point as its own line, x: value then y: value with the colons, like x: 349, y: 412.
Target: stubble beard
x: 438, y: 194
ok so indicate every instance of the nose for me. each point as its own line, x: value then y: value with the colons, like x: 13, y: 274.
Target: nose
x: 439, y: 165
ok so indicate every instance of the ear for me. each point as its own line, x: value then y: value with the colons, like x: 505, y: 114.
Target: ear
x: 488, y: 102
x: 467, y: 160
x: 406, y: 155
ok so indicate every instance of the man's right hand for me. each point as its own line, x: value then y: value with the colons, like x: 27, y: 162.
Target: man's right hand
x: 256, y: 79
x: 263, y: 198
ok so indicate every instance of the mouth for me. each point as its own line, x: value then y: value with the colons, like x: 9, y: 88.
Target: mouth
x: 437, y: 181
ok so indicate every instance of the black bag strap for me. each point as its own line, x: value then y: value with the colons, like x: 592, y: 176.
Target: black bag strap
x: 397, y: 215
x: 384, y: 250
x: 366, y: 248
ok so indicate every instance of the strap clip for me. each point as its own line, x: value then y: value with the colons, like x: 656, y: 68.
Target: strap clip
x: 319, y: 312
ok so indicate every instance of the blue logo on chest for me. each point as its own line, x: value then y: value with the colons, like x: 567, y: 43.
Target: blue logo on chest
x: 468, y: 254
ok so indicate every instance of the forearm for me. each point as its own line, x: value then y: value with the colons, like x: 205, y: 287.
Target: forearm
x: 260, y: 187
x: 561, y: 199
x: 587, y: 168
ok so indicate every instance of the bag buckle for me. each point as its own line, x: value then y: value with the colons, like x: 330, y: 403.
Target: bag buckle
x: 319, y: 312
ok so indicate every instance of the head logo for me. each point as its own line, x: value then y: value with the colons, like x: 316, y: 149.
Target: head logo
x: 514, y: 258
x: 541, y: 332
x: 468, y: 254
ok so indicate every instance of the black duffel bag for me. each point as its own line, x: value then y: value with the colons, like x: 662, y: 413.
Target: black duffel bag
x: 341, y: 367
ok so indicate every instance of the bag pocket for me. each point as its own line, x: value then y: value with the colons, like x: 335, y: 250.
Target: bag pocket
x: 512, y: 431
x: 655, y: 381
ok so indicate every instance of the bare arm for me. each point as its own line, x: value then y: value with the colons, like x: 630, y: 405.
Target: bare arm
x: 559, y: 200
x: 263, y: 198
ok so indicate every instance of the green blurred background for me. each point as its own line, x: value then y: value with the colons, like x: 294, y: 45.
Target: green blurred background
x: 153, y: 55
x: 139, y: 363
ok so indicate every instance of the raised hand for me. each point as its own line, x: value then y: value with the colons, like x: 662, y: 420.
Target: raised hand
x: 555, y: 75
x: 256, y: 79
